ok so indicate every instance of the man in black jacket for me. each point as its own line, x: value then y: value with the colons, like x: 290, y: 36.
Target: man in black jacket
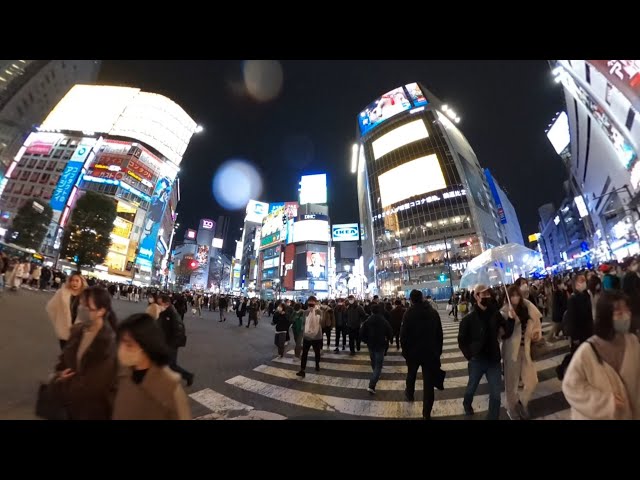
x: 579, y: 319
x: 478, y: 341
x: 223, y: 304
x: 174, y: 334
x: 421, y: 339
x: 376, y: 333
x: 355, y: 315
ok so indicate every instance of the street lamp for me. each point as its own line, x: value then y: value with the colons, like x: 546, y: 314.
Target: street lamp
x: 199, y: 128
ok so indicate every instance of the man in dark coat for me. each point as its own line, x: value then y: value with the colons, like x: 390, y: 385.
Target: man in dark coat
x: 174, y: 333
x: 478, y: 342
x: 355, y: 315
x: 396, y: 321
x: 376, y: 333
x: 421, y: 339
x: 631, y: 288
x: 579, y: 318
x: 224, y: 304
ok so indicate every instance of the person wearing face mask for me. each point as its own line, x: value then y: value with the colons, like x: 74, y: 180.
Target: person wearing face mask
x: 631, y: 287
x: 281, y: 322
x: 602, y: 381
x: 355, y: 316
x: 341, y: 324
x: 147, y: 388
x: 523, y: 285
x: 153, y: 309
x: 85, y: 376
x: 478, y: 342
x: 594, y: 287
x: 523, y: 326
x: 610, y: 281
x: 174, y: 334
x: 297, y: 325
x: 63, y: 307
x: 579, y: 316
x: 312, y: 334
x: 558, y: 308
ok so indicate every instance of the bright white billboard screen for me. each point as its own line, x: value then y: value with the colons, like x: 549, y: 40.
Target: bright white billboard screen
x: 399, y: 137
x: 558, y: 134
x: 582, y: 208
x: 419, y: 176
x: 313, y: 189
x: 311, y: 231
x: 256, y: 211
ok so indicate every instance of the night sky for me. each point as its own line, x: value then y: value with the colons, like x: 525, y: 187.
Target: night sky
x: 504, y: 106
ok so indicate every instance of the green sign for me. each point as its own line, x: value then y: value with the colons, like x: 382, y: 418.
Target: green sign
x: 270, y: 239
x: 443, y: 278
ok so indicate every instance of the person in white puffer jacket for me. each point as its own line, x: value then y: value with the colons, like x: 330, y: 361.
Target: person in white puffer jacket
x: 602, y: 381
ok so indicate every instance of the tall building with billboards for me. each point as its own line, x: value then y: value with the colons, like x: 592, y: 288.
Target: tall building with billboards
x: 29, y: 89
x: 424, y: 201
x: 118, y: 141
x: 601, y: 147
x: 245, y: 268
x: 506, y: 211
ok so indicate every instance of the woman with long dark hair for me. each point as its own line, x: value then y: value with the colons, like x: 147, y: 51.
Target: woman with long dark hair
x: 147, y: 388
x: 602, y: 381
x: 85, y: 376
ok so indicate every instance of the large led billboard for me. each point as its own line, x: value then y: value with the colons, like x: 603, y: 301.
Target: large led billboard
x: 316, y: 229
x: 70, y: 174
x: 391, y: 103
x: 256, y: 211
x: 316, y: 265
x: 274, y: 227
x: 558, y: 134
x: 152, y: 223
x: 313, y: 189
x: 127, y: 112
x: 415, y: 177
x: 345, y: 232
x: 399, y: 137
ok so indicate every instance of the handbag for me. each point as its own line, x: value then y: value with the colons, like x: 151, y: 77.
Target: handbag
x: 49, y: 404
x: 539, y: 349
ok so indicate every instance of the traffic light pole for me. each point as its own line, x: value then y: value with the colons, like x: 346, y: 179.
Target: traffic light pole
x: 446, y: 250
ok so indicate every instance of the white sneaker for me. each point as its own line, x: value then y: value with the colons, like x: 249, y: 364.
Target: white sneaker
x: 371, y: 391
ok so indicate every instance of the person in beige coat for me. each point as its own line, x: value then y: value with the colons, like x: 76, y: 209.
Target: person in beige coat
x: 602, y: 381
x: 524, y: 326
x: 62, y: 309
x: 147, y: 388
x: 153, y: 309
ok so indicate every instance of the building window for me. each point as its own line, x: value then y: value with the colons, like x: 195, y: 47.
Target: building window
x: 44, y: 178
x: 50, y: 166
x: 63, y: 142
x: 25, y: 175
x: 34, y: 177
x: 60, y: 166
x: 32, y: 162
x: 19, y: 189
x: 41, y: 164
x: 57, y: 153
x: 67, y: 155
x: 29, y: 190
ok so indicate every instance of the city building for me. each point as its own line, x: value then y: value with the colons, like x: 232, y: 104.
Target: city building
x: 425, y: 205
x: 506, y: 211
x: 346, y: 278
x: 29, y: 89
x: 118, y: 141
x: 602, y: 99
x: 245, y: 267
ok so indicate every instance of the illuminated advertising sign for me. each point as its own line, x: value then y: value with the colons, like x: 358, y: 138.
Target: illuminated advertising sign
x: 416, y: 203
x: 345, y: 232
x: 622, y: 74
x: 496, y: 196
x: 274, y: 229
x: 207, y: 224
x: 313, y: 189
x: 311, y: 230
x: 317, y: 265
x: 289, y: 256
x: 140, y: 170
x: 217, y: 243
x: 70, y: 175
x: 109, y: 159
x: 582, y: 208
x: 534, y: 237
x: 412, y: 178
x: 149, y: 236
x: 390, y: 104
x: 302, y: 285
x: 399, y: 137
x: 190, y: 234
x: 238, y: 255
x: 256, y: 211
x: 202, y: 255
x: 122, y: 228
x: 558, y: 134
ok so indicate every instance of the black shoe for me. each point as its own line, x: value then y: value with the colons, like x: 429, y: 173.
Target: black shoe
x: 247, y: 326
x: 407, y: 397
x: 300, y: 374
x: 219, y: 321
x: 468, y: 410
x: 189, y: 379
x: 336, y: 350
x: 352, y: 353
x: 317, y: 368
x: 342, y: 347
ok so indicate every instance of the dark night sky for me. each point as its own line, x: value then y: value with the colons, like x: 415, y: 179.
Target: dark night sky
x: 504, y: 107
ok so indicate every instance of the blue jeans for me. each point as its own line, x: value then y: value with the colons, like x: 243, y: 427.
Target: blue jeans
x: 477, y: 368
x: 376, y: 357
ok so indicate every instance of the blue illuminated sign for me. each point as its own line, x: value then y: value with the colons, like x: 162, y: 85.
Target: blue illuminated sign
x: 70, y: 176
x: 496, y: 196
x: 346, y: 232
x: 152, y: 222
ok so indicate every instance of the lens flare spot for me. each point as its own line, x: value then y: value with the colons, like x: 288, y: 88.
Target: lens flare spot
x: 263, y: 79
x: 235, y: 183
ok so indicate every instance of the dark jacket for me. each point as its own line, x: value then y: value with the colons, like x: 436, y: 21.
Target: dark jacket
x: 473, y: 334
x: 396, y: 318
x: 341, y: 316
x: 253, y: 310
x: 223, y: 303
x: 89, y: 394
x: 180, y: 304
x: 171, y: 325
x: 355, y: 316
x: 421, y: 335
x: 631, y: 287
x: 281, y: 321
x: 376, y: 332
x: 242, y: 309
x: 559, y: 305
x: 579, y: 320
x: 158, y: 397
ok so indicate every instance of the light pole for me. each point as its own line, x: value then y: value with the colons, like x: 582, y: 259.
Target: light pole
x: 446, y: 251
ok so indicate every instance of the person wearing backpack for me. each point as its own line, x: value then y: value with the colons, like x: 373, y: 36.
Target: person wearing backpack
x: 312, y: 334
x: 174, y: 334
x: 376, y: 332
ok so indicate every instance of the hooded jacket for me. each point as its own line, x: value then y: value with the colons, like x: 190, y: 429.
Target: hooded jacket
x: 355, y: 316
x: 376, y: 332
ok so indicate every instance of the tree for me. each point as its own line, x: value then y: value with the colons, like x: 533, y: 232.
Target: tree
x: 31, y: 224
x: 87, y: 236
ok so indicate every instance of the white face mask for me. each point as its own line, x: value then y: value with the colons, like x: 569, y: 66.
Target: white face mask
x: 622, y: 324
x: 351, y: 302
x: 581, y: 287
x: 128, y: 357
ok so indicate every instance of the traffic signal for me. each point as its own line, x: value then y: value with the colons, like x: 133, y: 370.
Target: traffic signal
x: 193, y: 264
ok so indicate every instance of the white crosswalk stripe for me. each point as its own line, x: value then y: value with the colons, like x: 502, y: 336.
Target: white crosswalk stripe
x: 343, y: 378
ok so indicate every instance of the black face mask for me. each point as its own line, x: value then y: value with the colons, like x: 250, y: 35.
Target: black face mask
x: 485, y: 302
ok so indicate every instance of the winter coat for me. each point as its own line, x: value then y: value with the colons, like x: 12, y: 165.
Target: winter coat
x: 560, y: 300
x: 241, y: 310
x: 340, y: 315
x: 59, y: 311
x: 376, y: 332
x: 88, y: 395
x: 396, y: 318
x: 511, y: 345
x: 297, y: 320
x: 421, y: 335
x: 159, y: 396
x: 579, y: 317
x: 355, y: 316
x: 328, y: 318
x: 253, y: 310
x: 631, y: 287
x: 171, y: 325
x: 589, y: 385
x: 472, y: 334
x: 281, y: 321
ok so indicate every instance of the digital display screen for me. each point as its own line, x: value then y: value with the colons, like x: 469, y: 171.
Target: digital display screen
x: 399, y: 137
x: 391, y: 103
x: 317, y: 265
x: 558, y: 134
x: 415, y: 177
x: 311, y: 230
x: 313, y: 189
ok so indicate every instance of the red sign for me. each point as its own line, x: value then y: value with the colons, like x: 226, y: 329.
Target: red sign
x: 289, y: 255
x: 624, y: 75
x: 39, y: 148
x: 106, y: 174
x: 139, y: 169
x: 110, y: 159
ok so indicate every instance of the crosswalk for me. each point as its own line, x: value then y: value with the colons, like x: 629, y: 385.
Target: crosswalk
x: 338, y: 390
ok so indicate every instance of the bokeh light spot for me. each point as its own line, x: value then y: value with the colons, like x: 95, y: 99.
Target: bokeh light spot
x: 235, y: 183
x: 263, y: 79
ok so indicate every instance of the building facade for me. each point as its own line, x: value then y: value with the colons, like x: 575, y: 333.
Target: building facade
x: 602, y: 99
x: 425, y: 206
x: 118, y: 141
x: 506, y: 211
